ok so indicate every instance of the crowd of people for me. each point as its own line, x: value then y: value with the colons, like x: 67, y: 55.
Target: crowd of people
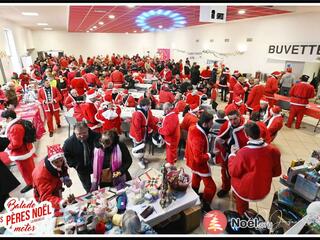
x: 238, y: 138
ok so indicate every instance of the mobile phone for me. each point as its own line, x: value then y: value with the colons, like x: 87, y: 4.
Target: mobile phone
x: 147, y: 212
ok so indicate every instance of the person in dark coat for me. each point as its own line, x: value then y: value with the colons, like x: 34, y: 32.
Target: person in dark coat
x: 195, y: 75
x: 111, y: 156
x: 78, y: 151
x: 8, y: 181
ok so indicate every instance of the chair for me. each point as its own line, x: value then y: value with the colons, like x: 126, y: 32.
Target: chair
x: 71, y: 122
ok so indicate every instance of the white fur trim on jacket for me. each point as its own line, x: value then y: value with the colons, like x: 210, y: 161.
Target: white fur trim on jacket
x: 23, y: 157
x: 10, y: 125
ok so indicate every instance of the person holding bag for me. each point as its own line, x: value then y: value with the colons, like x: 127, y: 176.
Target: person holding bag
x: 111, y: 162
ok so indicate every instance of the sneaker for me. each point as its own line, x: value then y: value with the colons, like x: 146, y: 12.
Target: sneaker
x: 222, y: 193
x: 26, y: 189
x: 51, y: 134
x: 59, y: 126
x: 206, y: 207
x: 142, y: 164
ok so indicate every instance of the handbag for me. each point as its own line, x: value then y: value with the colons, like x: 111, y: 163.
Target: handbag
x: 106, y: 175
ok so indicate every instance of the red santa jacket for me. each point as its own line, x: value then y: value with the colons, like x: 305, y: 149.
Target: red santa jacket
x: 110, y: 119
x: 264, y: 133
x: 232, y: 106
x: 189, y: 120
x: 180, y: 105
x: 47, y: 187
x: 140, y: 125
x: 254, y: 98
x: 89, y: 111
x: 108, y: 95
x: 64, y: 63
x: 205, y: 74
x: 70, y: 102
x: 238, y: 91
x: 169, y: 128
x: 274, y: 125
x: 194, y: 101
x: 167, y: 75
x: 130, y: 101
x: 300, y: 93
x: 80, y: 85
x: 56, y: 98
x: 71, y: 76
x: 117, y: 77
x: 17, y: 149
x: 166, y: 96
x: 252, y: 169
x: 238, y: 135
x: 271, y: 87
x: 92, y: 79
x: 231, y: 83
x: 25, y: 79
x: 197, y: 151
x: 214, y: 94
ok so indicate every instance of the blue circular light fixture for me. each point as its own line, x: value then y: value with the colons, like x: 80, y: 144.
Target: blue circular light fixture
x: 178, y: 20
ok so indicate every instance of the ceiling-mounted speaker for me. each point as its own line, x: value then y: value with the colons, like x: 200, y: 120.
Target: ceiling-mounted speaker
x: 227, y: 40
x: 249, y: 39
x: 211, y: 40
x: 197, y: 40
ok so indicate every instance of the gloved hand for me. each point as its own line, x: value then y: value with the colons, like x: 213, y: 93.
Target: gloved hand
x: 94, y: 186
x: 67, y: 181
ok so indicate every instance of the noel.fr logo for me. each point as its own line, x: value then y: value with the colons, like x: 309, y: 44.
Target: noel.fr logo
x: 215, y: 222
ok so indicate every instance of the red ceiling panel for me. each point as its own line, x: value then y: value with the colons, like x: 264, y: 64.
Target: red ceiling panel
x: 83, y: 18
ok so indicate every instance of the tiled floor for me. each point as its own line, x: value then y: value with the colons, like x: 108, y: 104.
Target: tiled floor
x: 292, y: 143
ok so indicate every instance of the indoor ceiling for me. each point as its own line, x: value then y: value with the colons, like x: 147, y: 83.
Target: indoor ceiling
x: 96, y: 18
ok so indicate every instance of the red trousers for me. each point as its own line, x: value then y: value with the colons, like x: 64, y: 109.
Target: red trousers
x: 230, y: 97
x: 298, y: 112
x: 171, y: 153
x: 225, y: 177
x: 50, y: 115
x: 241, y: 205
x: 209, y: 186
x: 26, y: 167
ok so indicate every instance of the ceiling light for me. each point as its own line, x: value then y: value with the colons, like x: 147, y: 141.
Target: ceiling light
x: 91, y: 29
x: 130, y: 6
x: 127, y: 33
x: 134, y: 31
x: 94, y: 27
x: 100, y: 11
x: 87, y: 31
x: 142, y: 30
x: 30, y: 13
x: 101, y: 23
x: 242, y: 11
x: 42, y: 24
x: 160, y: 26
x: 47, y: 29
x: 111, y: 16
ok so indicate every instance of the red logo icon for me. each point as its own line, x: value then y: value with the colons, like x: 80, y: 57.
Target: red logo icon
x: 214, y: 222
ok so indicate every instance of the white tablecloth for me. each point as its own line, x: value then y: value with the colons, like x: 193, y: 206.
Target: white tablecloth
x: 142, y: 85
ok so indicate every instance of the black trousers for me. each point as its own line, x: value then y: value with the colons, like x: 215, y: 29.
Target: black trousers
x: 85, y: 180
x: 224, y: 92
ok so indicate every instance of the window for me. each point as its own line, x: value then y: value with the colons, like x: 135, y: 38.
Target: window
x: 12, y: 51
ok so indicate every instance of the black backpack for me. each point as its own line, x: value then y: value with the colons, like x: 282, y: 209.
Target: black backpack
x: 30, y: 131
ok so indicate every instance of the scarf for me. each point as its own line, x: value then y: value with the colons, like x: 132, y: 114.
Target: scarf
x: 116, y: 162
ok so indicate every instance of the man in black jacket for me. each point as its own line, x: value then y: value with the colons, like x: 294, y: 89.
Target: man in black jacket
x: 78, y: 150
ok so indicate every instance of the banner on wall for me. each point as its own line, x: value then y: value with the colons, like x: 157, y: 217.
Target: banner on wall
x: 303, y: 52
x: 164, y: 53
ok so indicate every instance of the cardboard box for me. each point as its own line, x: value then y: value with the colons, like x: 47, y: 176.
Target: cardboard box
x: 191, y: 218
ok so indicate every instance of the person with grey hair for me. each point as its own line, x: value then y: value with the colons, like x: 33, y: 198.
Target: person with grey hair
x: 171, y: 131
x: 78, y: 150
x: 131, y: 224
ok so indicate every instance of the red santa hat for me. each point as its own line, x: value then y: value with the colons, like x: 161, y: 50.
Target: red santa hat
x: 125, y: 91
x: 275, y: 110
x: 236, y: 72
x: 216, y: 65
x: 114, y: 90
x: 19, y: 89
x: 237, y: 100
x: 194, y: 108
x: 55, y: 152
x: 276, y: 73
x: 263, y: 100
x: 91, y: 94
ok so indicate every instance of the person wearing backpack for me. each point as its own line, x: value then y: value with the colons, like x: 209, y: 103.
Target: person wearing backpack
x: 20, y: 150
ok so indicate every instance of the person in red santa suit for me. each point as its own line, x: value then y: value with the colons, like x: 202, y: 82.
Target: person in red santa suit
x: 232, y: 81
x: 72, y: 74
x: 165, y: 95
x: 62, y: 86
x: 72, y: 102
x: 206, y: 74
x: 166, y: 75
x: 109, y: 116
x: 92, y: 79
x: 231, y: 133
x: 272, y: 87
x: 264, y: 110
x: 24, y: 78
x: 22, y: 153
x: 179, y: 102
x: 117, y: 77
x: 154, y: 102
x: 275, y: 123
x: 255, y: 95
x: 237, y: 105
x: 193, y: 99
x: 143, y: 123
x: 64, y: 62
x: 89, y: 110
x: 50, y: 97
x: 197, y: 156
x: 264, y: 133
x: 300, y: 94
x: 170, y: 132
x: 128, y: 99
x: 239, y: 89
x: 48, y: 178
x: 79, y: 84
x: 190, y: 118
x: 252, y: 168
x: 19, y: 93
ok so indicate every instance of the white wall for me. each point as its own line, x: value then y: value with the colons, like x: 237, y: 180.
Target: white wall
x: 287, y: 28
x: 310, y: 69
x: 92, y: 44
x: 23, y: 40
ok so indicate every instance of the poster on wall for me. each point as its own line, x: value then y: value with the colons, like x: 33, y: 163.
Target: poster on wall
x: 164, y: 53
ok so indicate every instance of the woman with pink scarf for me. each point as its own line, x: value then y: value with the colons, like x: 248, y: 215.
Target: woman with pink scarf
x: 113, y: 155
